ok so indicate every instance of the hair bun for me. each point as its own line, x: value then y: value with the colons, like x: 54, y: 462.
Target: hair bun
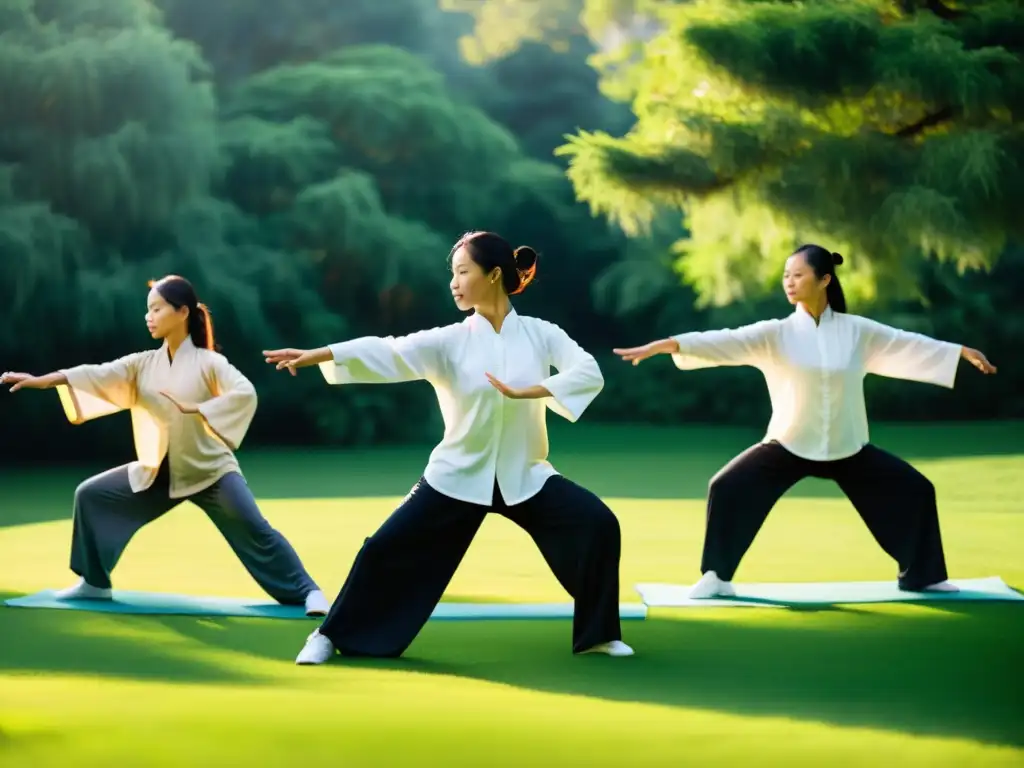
x: 525, y: 257
x: 526, y: 266
x: 837, y: 259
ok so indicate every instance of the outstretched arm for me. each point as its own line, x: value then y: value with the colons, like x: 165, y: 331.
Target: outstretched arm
x: 371, y: 359
x: 899, y: 354
x: 86, y: 391
x: 747, y: 345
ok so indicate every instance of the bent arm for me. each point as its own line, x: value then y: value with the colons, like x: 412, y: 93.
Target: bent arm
x: 92, y: 391
x: 579, y: 379
x: 747, y: 345
x: 899, y: 354
x: 386, y: 360
x: 230, y: 411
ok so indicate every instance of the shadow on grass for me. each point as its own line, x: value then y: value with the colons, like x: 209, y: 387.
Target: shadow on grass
x: 940, y: 669
x: 108, y: 645
x: 612, y: 460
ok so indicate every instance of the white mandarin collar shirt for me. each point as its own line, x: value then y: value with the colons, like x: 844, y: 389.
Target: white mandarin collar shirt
x: 199, y: 448
x: 815, y: 372
x: 487, y: 436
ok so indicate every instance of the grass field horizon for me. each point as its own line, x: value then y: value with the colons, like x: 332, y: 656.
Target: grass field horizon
x: 929, y: 683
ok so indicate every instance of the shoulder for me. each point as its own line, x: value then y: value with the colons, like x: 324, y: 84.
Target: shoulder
x: 859, y: 322
x: 440, y: 334
x: 136, y: 361
x: 211, y: 357
x: 215, y: 362
x: 543, y: 327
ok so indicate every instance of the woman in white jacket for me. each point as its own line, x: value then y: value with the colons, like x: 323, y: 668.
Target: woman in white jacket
x: 814, y: 363
x: 190, y: 410
x: 493, y: 381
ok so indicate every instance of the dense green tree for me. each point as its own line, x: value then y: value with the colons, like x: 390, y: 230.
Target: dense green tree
x: 886, y: 129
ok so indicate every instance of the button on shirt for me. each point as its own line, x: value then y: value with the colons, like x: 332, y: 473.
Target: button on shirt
x: 487, y: 436
x: 815, y: 372
x: 199, y: 448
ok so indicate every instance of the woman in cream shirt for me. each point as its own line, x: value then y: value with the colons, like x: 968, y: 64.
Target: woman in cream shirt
x: 814, y: 363
x: 190, y: 410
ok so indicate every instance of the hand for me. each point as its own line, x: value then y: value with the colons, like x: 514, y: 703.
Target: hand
x: 526, y: 393
x: 977, y: 359
x: 23, y: 381
x: 290, y: 359
x: 183, y: 407
x: 636, y: 354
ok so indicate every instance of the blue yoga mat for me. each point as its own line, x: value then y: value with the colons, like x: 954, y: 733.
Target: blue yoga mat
x: 847, y: 592
x: 185, y: 605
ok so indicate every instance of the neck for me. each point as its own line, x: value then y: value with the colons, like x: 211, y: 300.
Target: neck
x: 495, y: 313
x: 174, y: 340
x: 815, y: 308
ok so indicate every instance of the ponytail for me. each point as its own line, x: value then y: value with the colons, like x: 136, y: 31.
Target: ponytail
x: 834, y: 294
x: 200, y: 327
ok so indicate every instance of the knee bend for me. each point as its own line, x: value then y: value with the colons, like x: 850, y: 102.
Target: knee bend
x: 926, y: 490
x: 605, y: 524
x: 87, y: 490
x: 723, y: 484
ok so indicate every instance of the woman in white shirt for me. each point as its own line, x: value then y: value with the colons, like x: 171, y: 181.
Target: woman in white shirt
x: 814, y: 363
x: 492, y: 376
x: 190, y: 410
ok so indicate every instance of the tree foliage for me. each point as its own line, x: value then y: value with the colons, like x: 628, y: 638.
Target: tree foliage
x: 308, y: 165
x: 884, y: 129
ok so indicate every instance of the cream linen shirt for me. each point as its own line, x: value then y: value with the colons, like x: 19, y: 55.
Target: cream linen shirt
x: 815, y: 372
x: 487, y: 436
x: 199, y: 447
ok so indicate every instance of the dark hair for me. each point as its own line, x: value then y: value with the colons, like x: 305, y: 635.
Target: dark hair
x: 518, y: 266
x: 178, y: 292
x: 824, y: 262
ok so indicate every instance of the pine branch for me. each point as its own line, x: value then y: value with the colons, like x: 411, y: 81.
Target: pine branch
x: 931, y: 120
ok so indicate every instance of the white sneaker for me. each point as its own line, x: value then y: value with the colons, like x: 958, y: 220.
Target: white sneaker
x: 83, y: 591
x: 711, y: 586
x: 941, y: 586
x: 614, y: 648
x: 317, y: 650
x: 316, y: 604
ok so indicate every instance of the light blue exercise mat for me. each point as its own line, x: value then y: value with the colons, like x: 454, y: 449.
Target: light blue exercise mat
x: 836, y: 593
x: 186, y: 605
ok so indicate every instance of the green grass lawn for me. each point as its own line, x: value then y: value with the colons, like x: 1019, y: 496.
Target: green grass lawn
x: 926, y: 684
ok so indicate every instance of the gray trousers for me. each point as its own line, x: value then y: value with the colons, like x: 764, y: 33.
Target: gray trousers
x: 108, y: 514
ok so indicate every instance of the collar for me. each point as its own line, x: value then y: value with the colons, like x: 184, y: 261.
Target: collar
x: 510, y: 324
x: 186, y: 346
x: 803, y: 317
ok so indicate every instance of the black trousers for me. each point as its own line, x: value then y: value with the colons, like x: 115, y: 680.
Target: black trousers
x: 895, y: 501
x: 401, y: 572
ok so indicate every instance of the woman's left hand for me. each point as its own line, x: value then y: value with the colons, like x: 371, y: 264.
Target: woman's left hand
x: 183, y: 407
x: 525, y: 393
x: 977, y: 359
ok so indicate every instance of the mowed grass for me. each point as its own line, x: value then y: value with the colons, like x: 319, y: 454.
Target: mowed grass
x: 925, y: 684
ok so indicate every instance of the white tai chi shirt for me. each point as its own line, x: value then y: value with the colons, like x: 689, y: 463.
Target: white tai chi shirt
x: 815, y: 372
x: 487, y: 436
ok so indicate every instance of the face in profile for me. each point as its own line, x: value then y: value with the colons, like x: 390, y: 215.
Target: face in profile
x: 161, y: 317
x: 800, y: 282
x: 470, y: 285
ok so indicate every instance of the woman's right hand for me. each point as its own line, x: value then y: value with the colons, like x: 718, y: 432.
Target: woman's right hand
x: 291, y: 359
x: 636, y: 354
x: 24, y: 381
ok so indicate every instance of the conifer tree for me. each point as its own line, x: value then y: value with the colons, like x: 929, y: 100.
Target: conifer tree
x: 888, y: 130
